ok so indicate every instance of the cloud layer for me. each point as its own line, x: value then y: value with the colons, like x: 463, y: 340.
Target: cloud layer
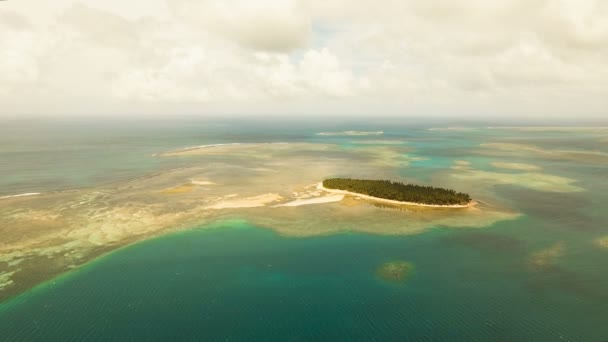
x: 529, y: 58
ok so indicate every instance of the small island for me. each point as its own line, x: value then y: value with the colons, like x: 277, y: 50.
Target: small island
x: 397, y: 192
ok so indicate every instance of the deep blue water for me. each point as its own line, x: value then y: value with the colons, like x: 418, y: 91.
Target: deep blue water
x: 235, y: 282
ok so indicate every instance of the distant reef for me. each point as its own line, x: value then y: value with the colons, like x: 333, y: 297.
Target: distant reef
x: 400, y: 192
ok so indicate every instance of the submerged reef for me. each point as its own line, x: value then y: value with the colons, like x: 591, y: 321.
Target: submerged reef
x: 395, y: 271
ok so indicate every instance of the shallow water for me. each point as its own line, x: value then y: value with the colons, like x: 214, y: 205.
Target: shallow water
x: 238, y: 282
x: 535, y: 276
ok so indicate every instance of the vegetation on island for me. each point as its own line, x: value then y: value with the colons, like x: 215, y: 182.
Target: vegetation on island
x: 399, y: 191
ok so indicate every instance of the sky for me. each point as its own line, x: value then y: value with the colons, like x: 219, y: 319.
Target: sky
x: 543, y: 59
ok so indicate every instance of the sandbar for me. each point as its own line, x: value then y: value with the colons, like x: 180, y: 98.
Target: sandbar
x: 248, y: 202
x: 316, y: 200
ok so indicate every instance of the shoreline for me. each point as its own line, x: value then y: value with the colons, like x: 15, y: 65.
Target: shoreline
x: 384, y: 200
x: 309, y: 201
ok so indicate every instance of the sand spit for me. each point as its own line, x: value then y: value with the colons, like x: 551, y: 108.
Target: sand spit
x: 248, y: 202
x: 317, y: 200
x: 384, y: 200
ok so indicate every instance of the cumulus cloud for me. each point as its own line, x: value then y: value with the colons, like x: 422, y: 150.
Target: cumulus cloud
x: 523, y: 56
x: 18, y: 52
x: 270, y: 25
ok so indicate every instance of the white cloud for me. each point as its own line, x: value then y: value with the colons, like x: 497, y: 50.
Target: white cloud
x: 270, y: 25
x: 526, y: 56
x: 318, y: 72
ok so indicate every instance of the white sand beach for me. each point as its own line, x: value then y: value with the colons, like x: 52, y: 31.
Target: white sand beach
x: 316, y: 200
x: 384, y: 200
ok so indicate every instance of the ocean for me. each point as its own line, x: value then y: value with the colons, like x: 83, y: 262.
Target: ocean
x: 538, y: 276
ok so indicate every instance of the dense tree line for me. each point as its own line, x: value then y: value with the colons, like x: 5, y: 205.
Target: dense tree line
x: 398, y: 191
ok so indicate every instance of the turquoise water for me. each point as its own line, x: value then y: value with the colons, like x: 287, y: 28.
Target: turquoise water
x: 234, y: 281
x: 237, y: 282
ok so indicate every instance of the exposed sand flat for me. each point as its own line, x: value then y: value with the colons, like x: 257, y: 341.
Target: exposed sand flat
x: 248, y: 202
x: 21, y: 195
x: 317, y: 200
x: 516, y: 166
x: 384, y: 200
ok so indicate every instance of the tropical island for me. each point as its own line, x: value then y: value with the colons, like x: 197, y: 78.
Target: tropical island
x: 397, y: 192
